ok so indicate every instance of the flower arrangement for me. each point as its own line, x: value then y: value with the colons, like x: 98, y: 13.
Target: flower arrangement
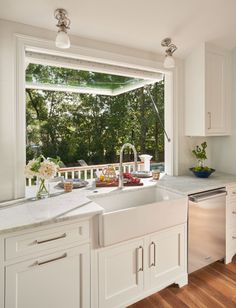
x: 44, y: 169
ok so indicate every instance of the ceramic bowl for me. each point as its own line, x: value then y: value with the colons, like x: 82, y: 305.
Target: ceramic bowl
x: 202, y: 173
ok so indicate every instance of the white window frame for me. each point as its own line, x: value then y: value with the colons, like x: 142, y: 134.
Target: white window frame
x: 147, y: 77
x: 24, y: 43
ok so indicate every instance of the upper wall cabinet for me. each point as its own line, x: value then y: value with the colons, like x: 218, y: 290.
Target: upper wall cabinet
x: 207, y: 92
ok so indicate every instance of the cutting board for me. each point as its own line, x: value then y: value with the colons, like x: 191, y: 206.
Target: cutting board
x: 115, y: 184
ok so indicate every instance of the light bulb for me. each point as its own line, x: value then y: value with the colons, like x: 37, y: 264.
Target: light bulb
x: 169, y: 62
x: 62, y: 40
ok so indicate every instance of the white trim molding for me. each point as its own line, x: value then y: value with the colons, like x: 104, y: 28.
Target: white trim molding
x: 72, y: 63
x: 20, y: 121
x: 89, y: 90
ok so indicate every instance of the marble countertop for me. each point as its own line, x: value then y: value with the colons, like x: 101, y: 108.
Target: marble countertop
x: 190, y: 184
x: 78, y: 204
x: 30, y: 214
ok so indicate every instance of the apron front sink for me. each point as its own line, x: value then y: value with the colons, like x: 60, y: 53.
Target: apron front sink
x: 133, y: 213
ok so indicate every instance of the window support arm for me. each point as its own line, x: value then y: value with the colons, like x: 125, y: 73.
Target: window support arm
x: 158, y: 114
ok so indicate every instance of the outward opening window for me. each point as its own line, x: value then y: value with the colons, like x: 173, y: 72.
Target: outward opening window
x: 84, y: 115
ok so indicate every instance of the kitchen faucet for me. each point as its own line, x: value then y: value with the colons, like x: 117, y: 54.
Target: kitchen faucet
x: 121, y: 177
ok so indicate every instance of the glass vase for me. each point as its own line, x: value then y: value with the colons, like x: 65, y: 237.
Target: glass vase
x: 43, y: 189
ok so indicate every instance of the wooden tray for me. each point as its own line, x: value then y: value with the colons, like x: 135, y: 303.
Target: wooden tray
x: 115, y: 184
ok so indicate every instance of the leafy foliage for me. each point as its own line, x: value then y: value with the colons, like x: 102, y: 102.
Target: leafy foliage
x: 200, y: 151
x: 201, y: 168
x: 90, y: 127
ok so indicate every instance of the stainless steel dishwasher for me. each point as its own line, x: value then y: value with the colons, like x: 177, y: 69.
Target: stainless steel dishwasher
x: 206, y: 228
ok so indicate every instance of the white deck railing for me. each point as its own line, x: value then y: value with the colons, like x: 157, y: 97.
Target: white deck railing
x: 87, y: 172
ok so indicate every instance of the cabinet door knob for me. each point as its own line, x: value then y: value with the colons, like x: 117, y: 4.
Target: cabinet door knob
x: 234, y: 237
x: 233, y: 212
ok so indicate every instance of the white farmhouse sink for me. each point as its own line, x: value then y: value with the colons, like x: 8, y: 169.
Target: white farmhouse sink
x: 133, y: 213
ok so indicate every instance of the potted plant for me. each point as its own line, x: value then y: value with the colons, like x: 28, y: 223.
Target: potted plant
x: 201, y: 170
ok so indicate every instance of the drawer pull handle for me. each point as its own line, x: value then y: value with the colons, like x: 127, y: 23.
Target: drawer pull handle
x: 38, y: 263
x: 51, y: 239
x: 233, y: 192
x: 234, y: 237
x: 233, y: 212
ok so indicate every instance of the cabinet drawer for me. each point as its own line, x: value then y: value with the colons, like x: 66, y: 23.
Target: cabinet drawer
x: 45, y: 239
x: 231, y: 239
x: 231, y: 213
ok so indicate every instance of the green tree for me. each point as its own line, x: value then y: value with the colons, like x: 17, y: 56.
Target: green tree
x: 90, y: 127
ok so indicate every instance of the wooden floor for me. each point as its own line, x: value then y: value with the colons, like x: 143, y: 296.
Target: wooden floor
x: 211, y: 287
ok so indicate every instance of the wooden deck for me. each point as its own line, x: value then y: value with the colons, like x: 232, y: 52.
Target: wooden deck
x: 211, y: 287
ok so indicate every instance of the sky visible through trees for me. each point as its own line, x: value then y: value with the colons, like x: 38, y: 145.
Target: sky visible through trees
x: 91, y: 127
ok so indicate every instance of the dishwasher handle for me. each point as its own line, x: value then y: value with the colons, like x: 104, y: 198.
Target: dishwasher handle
x: 207, y: 196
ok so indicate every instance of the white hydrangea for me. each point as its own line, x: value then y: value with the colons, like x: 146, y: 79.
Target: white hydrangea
x: 47, y: 170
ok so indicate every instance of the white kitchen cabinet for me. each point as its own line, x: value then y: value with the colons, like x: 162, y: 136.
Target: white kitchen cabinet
x: 60, y: 279
x: 47, y: 266
x: 121, y: 273
x: 167, y: 255
x: 207, y: 92
x: 132, y: 270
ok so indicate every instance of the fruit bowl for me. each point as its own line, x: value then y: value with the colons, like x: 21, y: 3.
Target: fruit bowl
x: 202, y: 173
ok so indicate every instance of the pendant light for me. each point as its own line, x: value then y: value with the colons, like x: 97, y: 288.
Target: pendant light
x: 63, y: 24
x: 169, y: 61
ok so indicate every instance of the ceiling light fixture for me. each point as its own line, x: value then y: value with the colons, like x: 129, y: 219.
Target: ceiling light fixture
x: 169, y: 61
x: 63, y: 24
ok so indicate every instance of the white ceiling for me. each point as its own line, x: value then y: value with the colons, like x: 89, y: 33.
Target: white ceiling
x: 140, y: 24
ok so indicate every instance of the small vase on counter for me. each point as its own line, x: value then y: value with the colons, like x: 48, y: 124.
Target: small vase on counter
x: 43, y: 169
x: 43, y: 189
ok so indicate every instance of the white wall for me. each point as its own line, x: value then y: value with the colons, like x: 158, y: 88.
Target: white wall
x: 12, y: 153
x: 223, y: 149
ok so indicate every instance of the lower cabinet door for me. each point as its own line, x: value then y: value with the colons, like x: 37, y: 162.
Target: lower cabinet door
x: 57, y: 280
x: 167, y: 252
x: 121, y: 275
